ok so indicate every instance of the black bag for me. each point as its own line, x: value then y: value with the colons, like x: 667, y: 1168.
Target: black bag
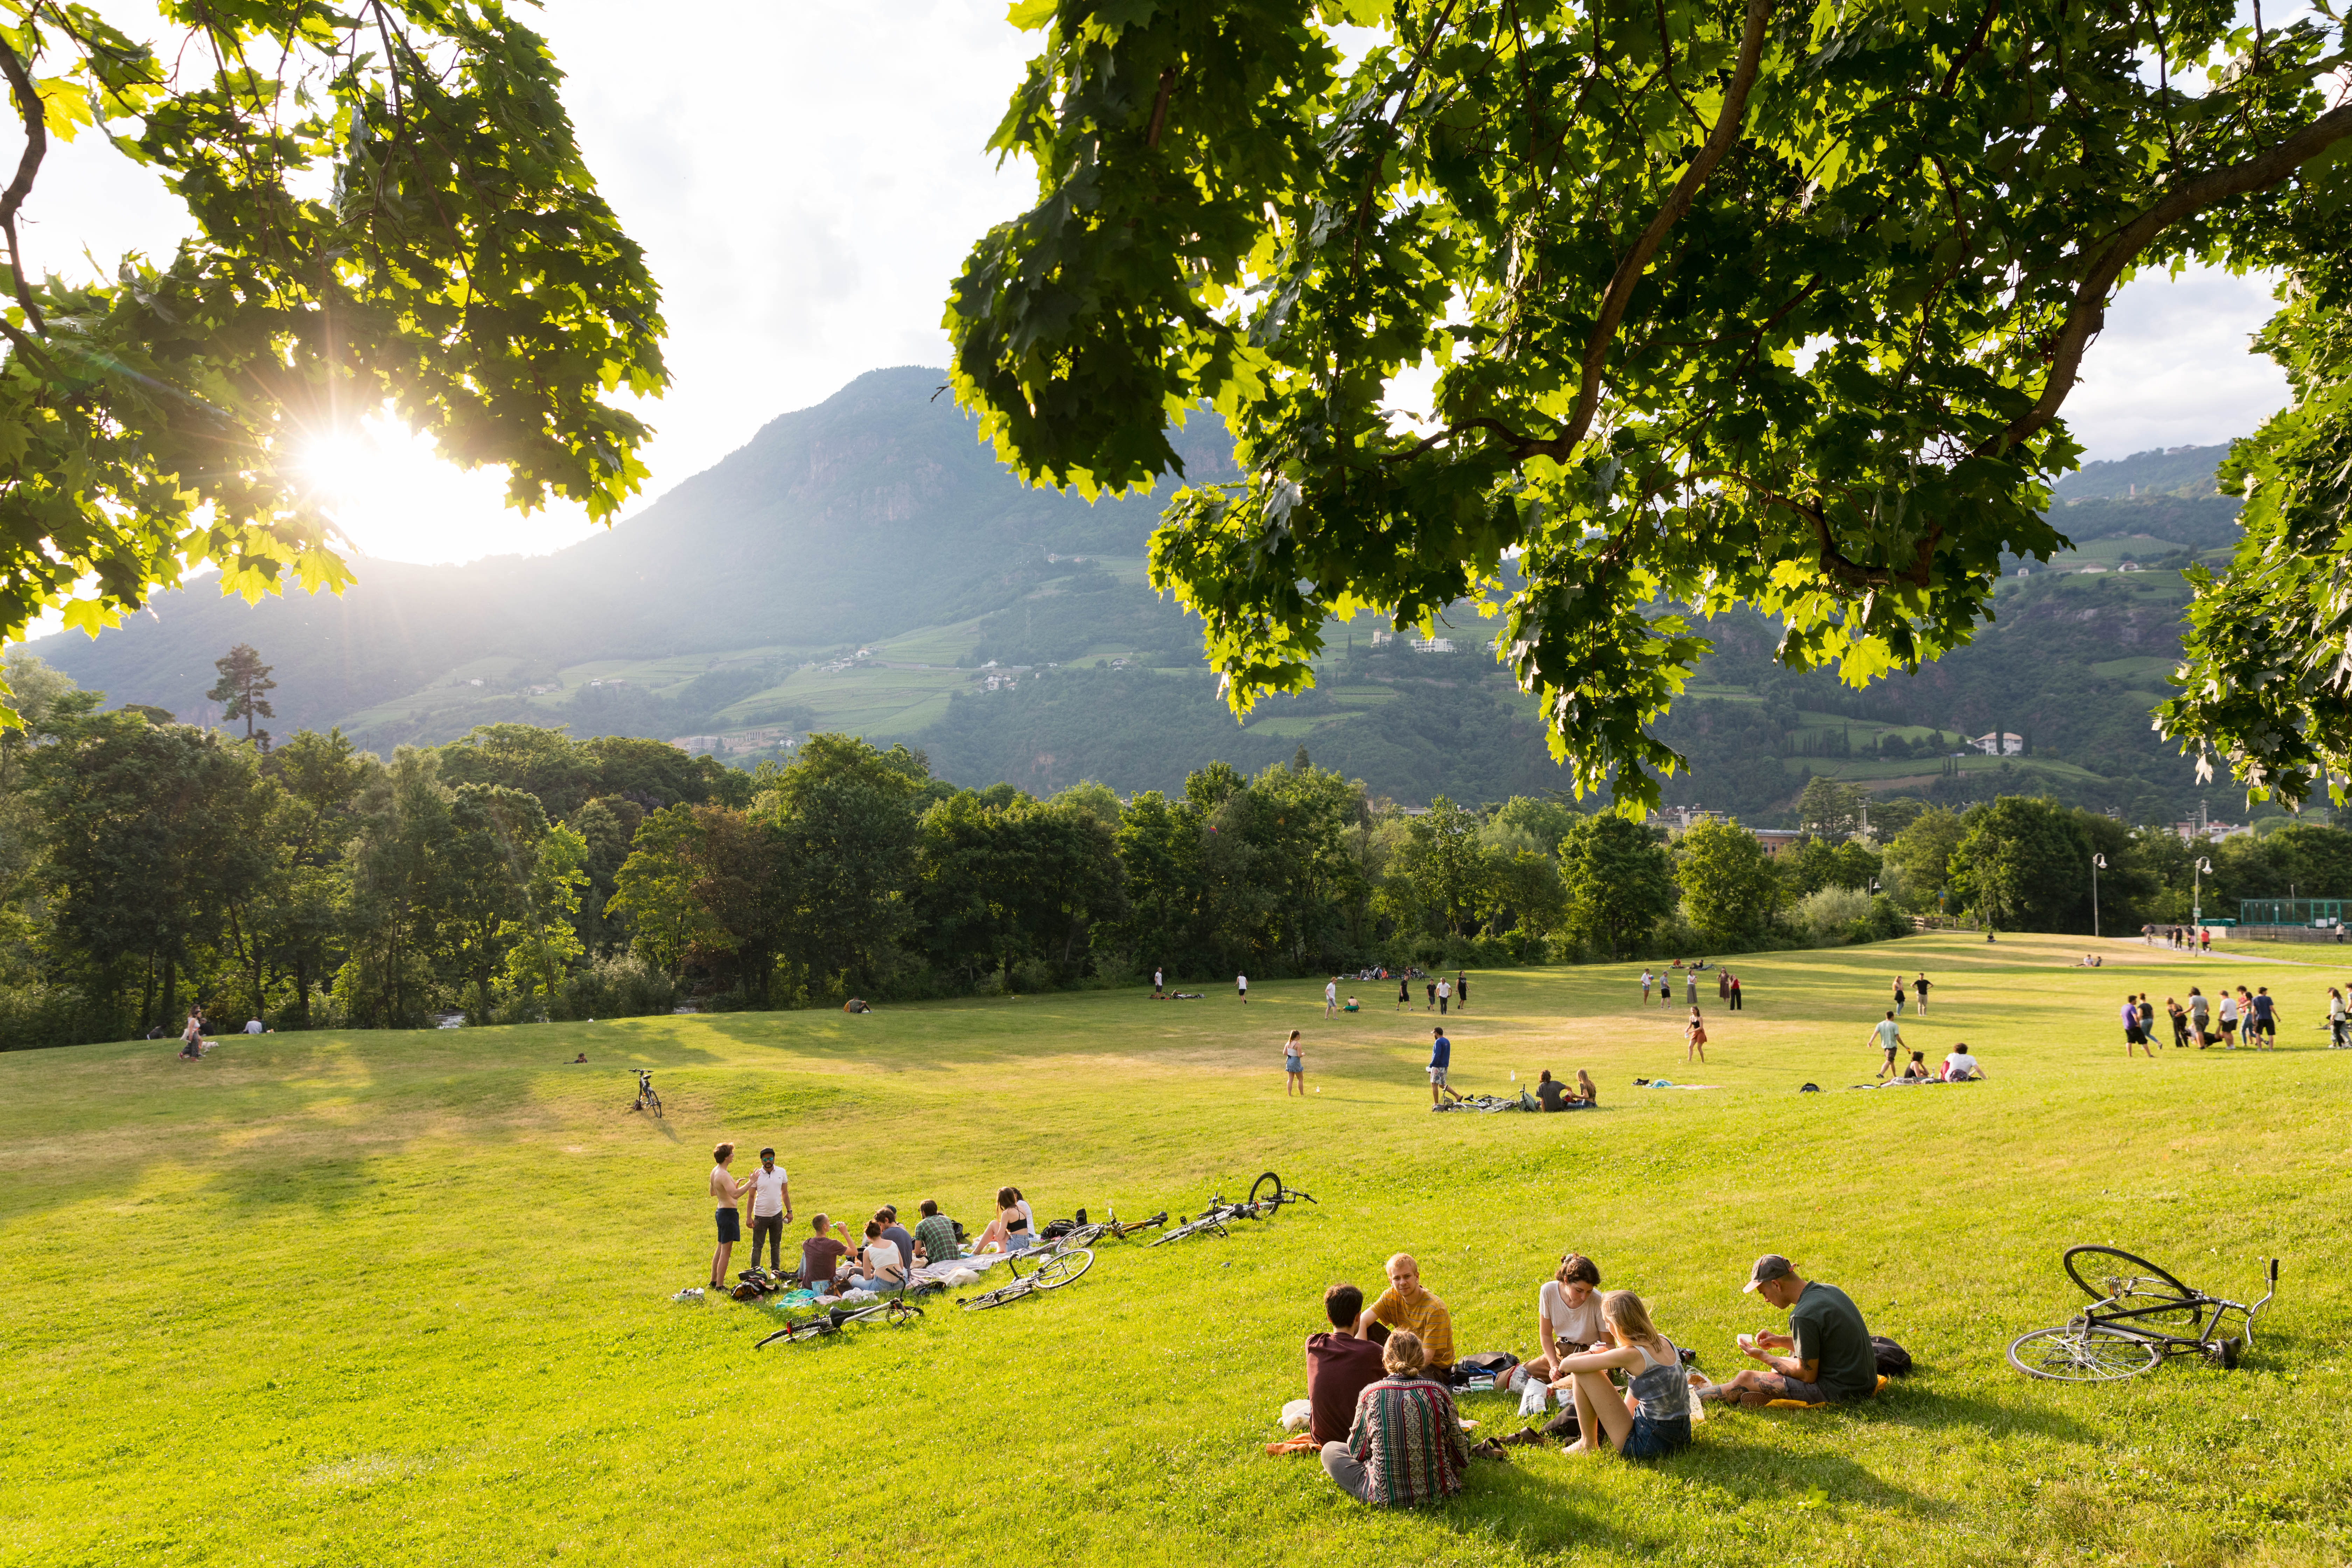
x: 1482, y: 1364
x: 1893, y: 1361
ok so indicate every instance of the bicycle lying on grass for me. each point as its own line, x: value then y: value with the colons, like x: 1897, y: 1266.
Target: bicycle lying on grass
x: 1082, y: 1234
x: 1267, y: 1195
x: 647, y: 1099
x: 897, y: 1313
x: 2139, y: 1315
x: 1055, y: 1271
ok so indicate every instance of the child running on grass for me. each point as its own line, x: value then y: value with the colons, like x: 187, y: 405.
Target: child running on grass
x: 1293, y: 1065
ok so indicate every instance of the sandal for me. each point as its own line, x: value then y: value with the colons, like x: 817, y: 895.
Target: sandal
x: 1530, y: 1436
x: 1488, y: 1448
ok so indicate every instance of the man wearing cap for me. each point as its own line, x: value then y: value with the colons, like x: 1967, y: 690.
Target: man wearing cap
x: 1831, y: 1358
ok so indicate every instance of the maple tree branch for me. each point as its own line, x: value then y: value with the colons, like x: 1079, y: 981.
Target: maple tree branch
x: 2088, y: 313
x: 1678, y: 201
x: 37, y: 147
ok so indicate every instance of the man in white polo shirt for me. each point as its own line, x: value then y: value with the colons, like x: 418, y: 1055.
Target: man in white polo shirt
x: 771, y: 1206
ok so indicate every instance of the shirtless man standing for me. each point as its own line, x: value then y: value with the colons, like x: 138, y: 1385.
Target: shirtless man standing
x: 728, y: 1191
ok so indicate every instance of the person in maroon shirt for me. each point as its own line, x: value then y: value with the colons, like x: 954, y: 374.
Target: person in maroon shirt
x: 1340, y: 1366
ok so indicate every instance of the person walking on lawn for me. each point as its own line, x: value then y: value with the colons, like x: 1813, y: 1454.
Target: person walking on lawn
x: 1919, y: 989
x: 1461, y: 992
x: 1241, y: 984
x: 1898, y: 995
x: 2134, y: 1036
x: 1736, y: 1004
x: 1157, y: 982
x: 1444, y: 995
x: 2264, y: 1026
x: 1293, y: 1067
x: 728, y: 1191
x: 1404, y: 992
x: 2336, y: 1041
x: 1429, y: 987
x: 1888, y: 1035
x: 2200, y: 1018
x: 1331, y: 996
x: 1645, y: 988
x: 1440, y: 1057
x: 1694, y: 1038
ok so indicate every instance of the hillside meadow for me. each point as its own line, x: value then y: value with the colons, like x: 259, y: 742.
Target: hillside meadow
x: 406, y: 1298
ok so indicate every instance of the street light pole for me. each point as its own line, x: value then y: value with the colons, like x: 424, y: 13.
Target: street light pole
x: 2196, y: 897
x: 2098, y: 864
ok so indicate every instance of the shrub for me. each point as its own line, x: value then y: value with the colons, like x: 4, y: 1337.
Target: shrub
x: 623, y: 985
x: 1832, y: 914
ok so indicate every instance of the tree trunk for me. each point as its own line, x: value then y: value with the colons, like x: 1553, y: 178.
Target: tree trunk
x: 171, y: 991
x: 301, y: 1019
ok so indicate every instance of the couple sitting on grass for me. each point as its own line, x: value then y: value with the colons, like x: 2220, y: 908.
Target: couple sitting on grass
x: 1550, y: 1094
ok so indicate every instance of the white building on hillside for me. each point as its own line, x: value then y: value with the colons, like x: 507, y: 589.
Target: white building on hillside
x: 2000, y: 743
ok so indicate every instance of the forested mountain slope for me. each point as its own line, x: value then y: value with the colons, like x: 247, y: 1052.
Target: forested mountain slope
x: 865, y: 566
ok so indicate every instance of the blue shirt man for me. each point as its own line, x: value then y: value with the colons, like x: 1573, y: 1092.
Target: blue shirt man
x: 1441, y: 1054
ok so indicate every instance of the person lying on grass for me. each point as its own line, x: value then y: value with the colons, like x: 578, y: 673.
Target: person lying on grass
x: 1341, y: 1364
x: 1831, y: 1358
x: 1405, y: 1446
x: 1652, y: 1418
x: 1404, y: 1306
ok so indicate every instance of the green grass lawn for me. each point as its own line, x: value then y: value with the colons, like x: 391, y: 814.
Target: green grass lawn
x: 405, y: 1297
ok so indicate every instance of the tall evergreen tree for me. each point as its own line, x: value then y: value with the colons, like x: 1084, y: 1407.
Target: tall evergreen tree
x: 241, y: 689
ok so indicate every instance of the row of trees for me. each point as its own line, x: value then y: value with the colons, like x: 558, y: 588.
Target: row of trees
x: 147, y: 865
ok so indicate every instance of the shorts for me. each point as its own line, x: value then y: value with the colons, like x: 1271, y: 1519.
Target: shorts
x: 1437, y: 1078
x: 1890, y: 1052
x: 1655, y: 1439
x: 730, y: 1227
x: 1783, y: 1386
x: 2266, y: 1026
x: 1291, y: 1064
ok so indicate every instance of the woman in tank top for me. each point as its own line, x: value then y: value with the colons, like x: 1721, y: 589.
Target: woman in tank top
x: 1653, y: 1418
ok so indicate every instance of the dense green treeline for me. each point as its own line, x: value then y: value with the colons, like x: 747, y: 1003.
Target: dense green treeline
x: 148, y: 867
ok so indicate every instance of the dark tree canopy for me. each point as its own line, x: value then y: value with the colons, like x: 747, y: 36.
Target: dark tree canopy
x: 390, y: 210
x: 1767, y: 304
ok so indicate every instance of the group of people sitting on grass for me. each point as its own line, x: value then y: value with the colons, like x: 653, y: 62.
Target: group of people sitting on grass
x: 1380, y: 1381
x: 833, y: 1261
x: 1550, y: 1094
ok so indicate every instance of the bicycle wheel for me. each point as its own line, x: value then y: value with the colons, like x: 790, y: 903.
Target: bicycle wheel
x: 1266, y: 1189
x: 2077, y: 1353
x: 1001, y: 1294
x: 2137, y: 1287
x: 901, y: 1313
x: 657, y: 1103
x: 1062, y: 1268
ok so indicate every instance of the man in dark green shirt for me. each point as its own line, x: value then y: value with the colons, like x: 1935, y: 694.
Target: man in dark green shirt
x: 935, y: 1234
x: 1829, y: 1360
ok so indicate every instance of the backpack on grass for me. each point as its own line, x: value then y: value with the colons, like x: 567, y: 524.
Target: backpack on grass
x: 1893, y: 1361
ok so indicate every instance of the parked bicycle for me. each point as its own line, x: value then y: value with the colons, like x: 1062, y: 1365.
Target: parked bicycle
x: 1267, y: 1196
x: 897, y: 1313
x: 1052, y: 1274
x: 647, y: 1099
x: 2139, y: 1315
x: 1069, y: 1236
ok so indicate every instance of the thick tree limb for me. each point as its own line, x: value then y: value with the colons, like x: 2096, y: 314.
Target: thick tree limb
x: 2088, y: 313
x: 37, y: 147
x: 1636, y: 261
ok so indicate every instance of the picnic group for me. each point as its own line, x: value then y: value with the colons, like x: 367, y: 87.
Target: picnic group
x: 1380, y: 1405
x: 834, y: 1261
x: 1379, y: 1410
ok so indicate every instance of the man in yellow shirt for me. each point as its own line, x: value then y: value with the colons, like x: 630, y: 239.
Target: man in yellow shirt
x: 1405, y: 1305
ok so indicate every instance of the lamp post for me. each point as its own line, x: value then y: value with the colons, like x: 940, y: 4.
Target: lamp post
x: 2196, y: 897
x: 2098, y: 864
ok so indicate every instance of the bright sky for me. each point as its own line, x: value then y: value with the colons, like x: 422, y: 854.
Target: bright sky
x: 807, y: 178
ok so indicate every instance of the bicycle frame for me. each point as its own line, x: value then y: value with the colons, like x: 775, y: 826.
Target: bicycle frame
x: 2211, y: 1313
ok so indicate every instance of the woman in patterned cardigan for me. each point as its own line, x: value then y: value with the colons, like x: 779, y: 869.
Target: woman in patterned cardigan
x: 1406, y: 1445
